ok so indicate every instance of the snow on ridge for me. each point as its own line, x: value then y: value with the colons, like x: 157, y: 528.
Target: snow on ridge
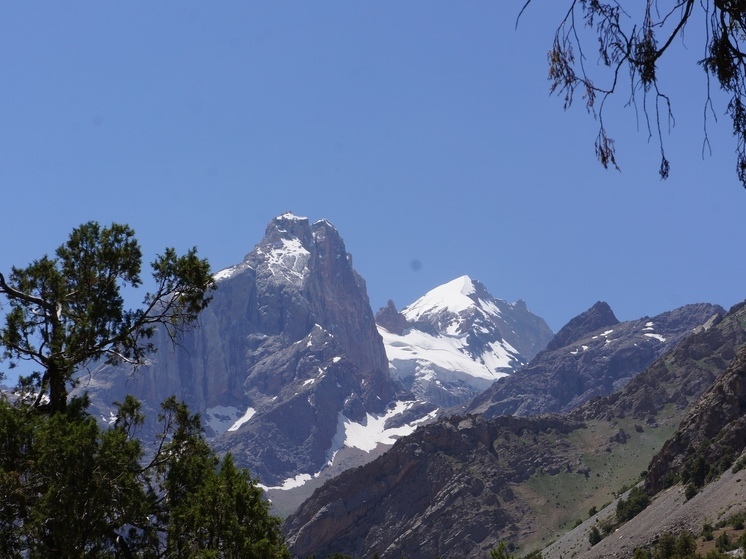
x: 290, y: 216
x: 447, y: 353
x: 365, y: 436
x: 452, y: 296
x: 288, y: 258
x: 324, y: 221
x: 230, y: 272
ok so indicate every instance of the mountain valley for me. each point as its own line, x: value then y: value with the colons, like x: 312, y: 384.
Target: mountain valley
x: 463, y: 403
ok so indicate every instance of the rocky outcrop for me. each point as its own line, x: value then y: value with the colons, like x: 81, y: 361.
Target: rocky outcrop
x: 714, y: 429
x: 392, y: 320
x: 680, y: 377
x: 579, y: 364
x: 599, y: 316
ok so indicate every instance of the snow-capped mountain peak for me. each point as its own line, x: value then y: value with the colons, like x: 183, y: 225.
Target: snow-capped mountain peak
x: 453, y: 297
x: 457, y: 339
x: 453, y: 307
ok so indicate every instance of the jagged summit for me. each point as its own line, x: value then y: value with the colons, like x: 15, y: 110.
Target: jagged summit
x: 598, y: 316
x: 455, y: 340
x: 593, y: 355
x: 284, y: 363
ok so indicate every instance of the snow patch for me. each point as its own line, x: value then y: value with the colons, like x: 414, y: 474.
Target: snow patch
x: 246, y: 416
x: 656, y: 336
x: 220, y: 418
x: 449, y: 353
x: 371, y: 432
x: 230, y: 272
x: 288, y: 259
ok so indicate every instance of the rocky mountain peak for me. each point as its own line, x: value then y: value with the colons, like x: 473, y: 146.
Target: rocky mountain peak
x: 598, y: 316
x: 593, y: 355
x: 288, y: 226
x: 391, y: 319
x: 443, y: 306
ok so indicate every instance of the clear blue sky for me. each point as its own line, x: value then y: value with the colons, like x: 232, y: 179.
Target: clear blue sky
x: 423, y: 130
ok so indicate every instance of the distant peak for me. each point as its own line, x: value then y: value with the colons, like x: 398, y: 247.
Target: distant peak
x: 454, y: 296
x: 598, y: 316
x: 324, y: 223
x: 290, y: 216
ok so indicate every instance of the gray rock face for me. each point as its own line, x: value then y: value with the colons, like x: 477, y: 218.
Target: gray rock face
x: 287, y: 347
x: 444, y: 490
x: 715, y: 427
x: 586, y: 360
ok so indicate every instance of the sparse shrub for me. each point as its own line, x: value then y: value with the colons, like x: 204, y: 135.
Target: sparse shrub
x: 707, y: 534
x: 740, y: 464
x: 671, y: 479
x: 636, y: 501
x: 501, y: 552
x: 592, y: 511
x: 723, y: 543
x: 690, y: 491
x: 595, y: 536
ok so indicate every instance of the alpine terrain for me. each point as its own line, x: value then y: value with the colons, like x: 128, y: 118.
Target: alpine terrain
x: 472, y: 481
x: 289, y: 370
x: 456, y: 340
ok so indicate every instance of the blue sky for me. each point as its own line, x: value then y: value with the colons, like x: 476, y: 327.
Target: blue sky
x: 423, y: 130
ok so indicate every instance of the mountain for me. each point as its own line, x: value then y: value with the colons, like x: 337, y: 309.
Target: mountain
x: 285, y: 366
x: 456, y: 340
x: 705, y: 451
x: 473, y: 481
x: 593, y: 355
x: 288, y: 368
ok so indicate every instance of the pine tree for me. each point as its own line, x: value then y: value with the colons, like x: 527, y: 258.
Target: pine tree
x: 70, y: 489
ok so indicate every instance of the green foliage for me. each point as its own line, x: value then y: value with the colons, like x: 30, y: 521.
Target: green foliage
x: 699, y: 470
x: 723, y: 543
x: 631, y: 40
x: 739, y: 465
x: 501, y: 552
x: 70, y: 489
x: 67, y: 311
x: 592, y: 511
x: 595, y: 536
x: 707, y: 534
x: 636, y: 501
x: 690, y: 491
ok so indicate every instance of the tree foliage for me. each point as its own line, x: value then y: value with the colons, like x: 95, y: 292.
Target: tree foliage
x: 70, y: 489
x: 631, y: 42
x: 68, y: 311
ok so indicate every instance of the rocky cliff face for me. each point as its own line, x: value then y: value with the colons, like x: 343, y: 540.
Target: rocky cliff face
x: 447, y: 488
x: 283, y: 359
x: 594, y: 355
x: 456, y: 340
x: 715, y: 427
